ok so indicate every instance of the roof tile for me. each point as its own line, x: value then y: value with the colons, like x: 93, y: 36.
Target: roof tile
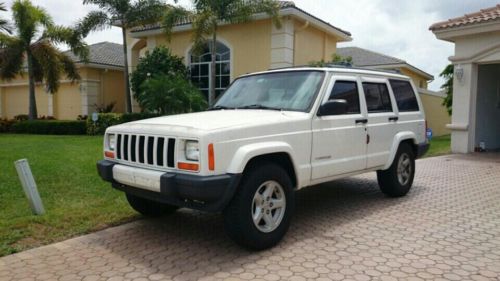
x: 104, y: 53
x: 484, y: 15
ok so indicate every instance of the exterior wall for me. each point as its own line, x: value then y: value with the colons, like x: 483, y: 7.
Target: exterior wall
x: 97, y: 86
x: 250, y: 45
x: 312, y: 44
x: 419, y: 80
x: 436, y: 114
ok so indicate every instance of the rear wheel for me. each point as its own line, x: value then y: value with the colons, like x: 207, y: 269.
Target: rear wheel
x: 149, y: 208
x: 398, y: 179
x: 259, y: 214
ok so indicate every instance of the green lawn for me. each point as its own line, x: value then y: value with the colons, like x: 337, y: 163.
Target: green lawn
x: 439, y: 146
x: 76, y: 200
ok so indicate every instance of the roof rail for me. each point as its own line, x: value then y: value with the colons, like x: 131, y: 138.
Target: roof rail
x: 343, y: 65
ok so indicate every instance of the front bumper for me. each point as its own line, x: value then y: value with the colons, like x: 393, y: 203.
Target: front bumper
x: 422, y: 149
x: 205, y: 193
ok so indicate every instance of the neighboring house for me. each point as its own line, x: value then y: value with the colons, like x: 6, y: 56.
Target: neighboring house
x: 436, y: 114
x: 476, y: 86
x: 101, y: 84
x: 247, y: 47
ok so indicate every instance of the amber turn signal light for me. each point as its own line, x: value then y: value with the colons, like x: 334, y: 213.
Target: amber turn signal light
x: 211, y: 159
x: 109, y: 154
x: 187, y: 166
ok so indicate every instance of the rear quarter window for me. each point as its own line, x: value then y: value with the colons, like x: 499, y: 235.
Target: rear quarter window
x: 405, y: 96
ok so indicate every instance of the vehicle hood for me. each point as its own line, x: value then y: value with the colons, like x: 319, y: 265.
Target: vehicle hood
x: 214, y: 120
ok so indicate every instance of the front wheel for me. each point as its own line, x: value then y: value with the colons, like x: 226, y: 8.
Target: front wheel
x: 398, y: 179
x: 259, y: 214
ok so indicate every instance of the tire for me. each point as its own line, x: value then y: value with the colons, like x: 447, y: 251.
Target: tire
x: 396, y: 184
x: 274, y: 221
x: 149, y: 208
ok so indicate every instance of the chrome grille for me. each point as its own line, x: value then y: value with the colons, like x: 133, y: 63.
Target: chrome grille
x: 146, y: 150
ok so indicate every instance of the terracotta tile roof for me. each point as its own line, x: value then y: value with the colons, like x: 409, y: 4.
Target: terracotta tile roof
x: 485, y: 15
x: 283, y: 5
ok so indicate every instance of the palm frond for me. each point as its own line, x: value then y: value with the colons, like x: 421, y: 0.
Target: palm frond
x: 48, y: 57
x: 144, y: 12
x: 70, y: 36
x: 11, y: 57
x: 27, y: 18
x: 93, y: 21
x: 172, y: 16
x: 69, y: 67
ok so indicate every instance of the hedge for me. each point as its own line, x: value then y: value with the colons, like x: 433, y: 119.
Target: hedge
x: 49, y: 127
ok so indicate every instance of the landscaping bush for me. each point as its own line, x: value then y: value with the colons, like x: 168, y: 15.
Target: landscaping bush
x: 49, y: 127
x: 104, y: 121
x: 5, y: 125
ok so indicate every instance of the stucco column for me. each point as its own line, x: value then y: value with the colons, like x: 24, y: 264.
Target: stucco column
x: 464, y: 109
x: 89, y: 91
x: 282, y: 45
x: 50, y: 104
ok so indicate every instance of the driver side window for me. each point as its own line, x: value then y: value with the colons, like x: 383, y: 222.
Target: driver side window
x: 348, y: 91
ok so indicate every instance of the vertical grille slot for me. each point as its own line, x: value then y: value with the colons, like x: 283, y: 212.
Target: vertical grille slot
x: 141, y: 148
x: 125, y: 147
x: 150, y: 147
x: 133, y: 149
x: 171, y: 153
x: 119, y: 147
x: 160, y: 151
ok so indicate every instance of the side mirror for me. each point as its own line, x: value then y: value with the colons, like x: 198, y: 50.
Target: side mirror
x: 333, y: 107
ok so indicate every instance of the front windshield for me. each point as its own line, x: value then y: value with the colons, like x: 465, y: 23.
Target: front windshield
x: 292, y: 90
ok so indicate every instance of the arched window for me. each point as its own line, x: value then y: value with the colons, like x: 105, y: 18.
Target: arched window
x: 200, y: 68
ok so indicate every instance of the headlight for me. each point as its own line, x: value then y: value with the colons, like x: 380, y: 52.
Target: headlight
x: 111, y: 142
x: 192, y: 150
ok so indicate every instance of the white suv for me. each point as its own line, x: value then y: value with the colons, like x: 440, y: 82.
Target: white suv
x: 270, y: 133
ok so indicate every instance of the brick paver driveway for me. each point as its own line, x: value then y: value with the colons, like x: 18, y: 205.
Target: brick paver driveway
x: 448, y: 227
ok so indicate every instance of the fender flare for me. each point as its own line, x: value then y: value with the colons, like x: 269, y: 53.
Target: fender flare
x: 245, y: 153
x: 398, y: 138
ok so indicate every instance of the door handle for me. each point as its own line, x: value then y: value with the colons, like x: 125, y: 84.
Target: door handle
x: 395, y: 118
x: 361, y: 121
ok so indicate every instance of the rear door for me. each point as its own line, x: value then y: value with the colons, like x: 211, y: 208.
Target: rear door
x: 382, y: 118
x: 339, y: 141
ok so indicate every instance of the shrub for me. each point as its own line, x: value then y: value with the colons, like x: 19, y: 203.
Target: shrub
x: 104, y: 121
x: 5, y: 125
x: 49, y: 127
x: 21, y: 117
x: 170, y: 95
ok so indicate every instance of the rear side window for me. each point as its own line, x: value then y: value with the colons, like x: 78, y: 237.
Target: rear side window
x: 348, y: 91
x: 405, y: 96
x: 377, y: 97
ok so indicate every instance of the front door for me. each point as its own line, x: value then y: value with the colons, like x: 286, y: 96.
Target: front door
x: 339, y: 141
x: 381, y: 126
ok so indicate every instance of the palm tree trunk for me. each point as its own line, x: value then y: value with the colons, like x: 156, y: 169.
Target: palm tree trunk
x: 32, y: 112
x: 128, y: 97
x: 213, y: 74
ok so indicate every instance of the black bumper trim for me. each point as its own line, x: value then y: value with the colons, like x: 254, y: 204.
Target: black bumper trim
x: 205, y: 193
x: 422, y: 149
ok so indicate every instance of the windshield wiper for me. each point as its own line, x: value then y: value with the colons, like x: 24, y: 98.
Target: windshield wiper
x: 220, y: 107
x: 258, y: 106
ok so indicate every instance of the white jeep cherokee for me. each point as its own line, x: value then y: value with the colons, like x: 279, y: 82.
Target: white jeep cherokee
x: 270, y: 133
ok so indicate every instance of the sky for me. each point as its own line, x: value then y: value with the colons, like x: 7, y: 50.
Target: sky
x: 399, y: 28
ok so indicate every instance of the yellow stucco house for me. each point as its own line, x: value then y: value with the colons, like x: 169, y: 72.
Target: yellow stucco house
x: 244, y: 48
x: 102, y: 83
x: 436, y: 114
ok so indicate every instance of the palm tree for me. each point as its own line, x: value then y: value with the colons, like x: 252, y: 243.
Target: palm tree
x: 209, y: 14
x: 32, y: 46
x: 125, y: 14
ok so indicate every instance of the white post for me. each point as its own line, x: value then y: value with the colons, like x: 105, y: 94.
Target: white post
x: 29, y: 186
